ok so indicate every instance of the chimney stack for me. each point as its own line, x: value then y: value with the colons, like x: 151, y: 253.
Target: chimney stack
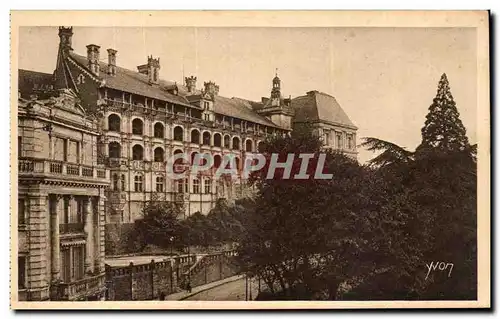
x: 65, y: 39
x: 93, y: 58
x: 112, y: 62
x: 191, y: 84
x: 153, y: 70
x: 211, y: 88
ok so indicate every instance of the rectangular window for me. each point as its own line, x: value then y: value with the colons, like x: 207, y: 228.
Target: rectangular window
x: 21, y: 267
x: 138, y: 183
x: 349, y: 142
x: 159, y: 184
x: 19, y: 146
x: 65, y: 150
x: 21, y: 212
x: 179, y: 186
x: 208, y: 186
x: 78, y: 263
x: 59, y: 149
x: 196, y: 186
x: 123, y: 182
x: 186, y: 186
x: 339, y: 141
x: 326, y: 139
x: 66, y: 265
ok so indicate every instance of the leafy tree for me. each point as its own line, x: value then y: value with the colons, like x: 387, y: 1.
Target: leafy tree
x: 306, y: 237
x: 160, y: 222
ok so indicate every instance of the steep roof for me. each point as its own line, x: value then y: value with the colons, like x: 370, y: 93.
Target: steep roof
x: 137, y: 83
x: 134, y: 82
x: 319, y: 106
x: 30, y: 81
x: 239, y: 108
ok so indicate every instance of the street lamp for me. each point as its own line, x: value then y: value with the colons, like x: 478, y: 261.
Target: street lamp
x: 171, y: 245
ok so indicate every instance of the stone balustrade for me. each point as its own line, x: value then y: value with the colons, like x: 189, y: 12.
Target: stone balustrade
x: 51, y: 167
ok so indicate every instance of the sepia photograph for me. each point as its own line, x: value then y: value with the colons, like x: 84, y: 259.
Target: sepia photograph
x: 250, y: 160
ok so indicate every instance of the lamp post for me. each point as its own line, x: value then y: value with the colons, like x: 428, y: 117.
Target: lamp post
x: 171, y: 246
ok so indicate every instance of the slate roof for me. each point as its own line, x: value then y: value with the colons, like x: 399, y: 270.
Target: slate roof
x: 134, y: 82
x: 137, y: 83
x: 319, y: 106
x: 30, y: 81
x: 239, y: 108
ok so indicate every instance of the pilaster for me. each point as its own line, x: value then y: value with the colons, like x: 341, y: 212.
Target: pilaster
x: 37, y: 276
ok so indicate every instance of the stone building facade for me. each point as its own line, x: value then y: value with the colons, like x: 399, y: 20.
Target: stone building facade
x: 61, y: 199
x: 145, y: 120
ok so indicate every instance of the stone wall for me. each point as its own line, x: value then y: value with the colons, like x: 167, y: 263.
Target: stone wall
x: 149, y: 281
x: 146, y: 281
x: 211, y: 268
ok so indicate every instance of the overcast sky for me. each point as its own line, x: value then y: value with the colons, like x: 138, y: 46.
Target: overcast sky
x: 384, y: 78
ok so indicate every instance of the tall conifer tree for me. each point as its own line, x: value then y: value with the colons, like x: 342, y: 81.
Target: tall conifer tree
x: 443, y: 129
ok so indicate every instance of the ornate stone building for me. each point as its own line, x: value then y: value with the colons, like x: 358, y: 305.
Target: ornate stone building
x: 61, y: 199
x: 145, y: 120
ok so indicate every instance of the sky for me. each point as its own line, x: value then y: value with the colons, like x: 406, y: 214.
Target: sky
x: 384, y: 78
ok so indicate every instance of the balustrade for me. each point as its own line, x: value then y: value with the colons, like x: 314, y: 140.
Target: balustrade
x: 71, y: 228
x: 80, y: 288
x: 43, y: 166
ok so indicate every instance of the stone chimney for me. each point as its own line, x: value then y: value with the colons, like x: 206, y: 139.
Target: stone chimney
x: 191, y: 84
x: 153, y: 70
x: 93, y: 58
x: 65, y: 38
x: 112, y: 62
x: 211, y: 88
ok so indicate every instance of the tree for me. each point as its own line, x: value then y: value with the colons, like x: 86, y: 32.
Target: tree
x: 433, y: 204
x: 160, y: 222
x: 391, y: 155
x: 443, y: 129
x: 306, y: 237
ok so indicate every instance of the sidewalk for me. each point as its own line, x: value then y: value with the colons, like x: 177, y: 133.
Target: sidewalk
x: 185, y: 294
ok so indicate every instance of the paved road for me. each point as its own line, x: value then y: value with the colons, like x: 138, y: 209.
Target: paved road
x: 234, y: 291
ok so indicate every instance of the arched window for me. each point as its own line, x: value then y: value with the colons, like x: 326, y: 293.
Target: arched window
x: 248, y: 146
x: 137, y: 153
x: 159, y: 130
x: 137, y: 127
x: 115, y: 150
x: 159, y: 154
x: 114, y: 123
x: 195, y: 136
x: 258, y: 146
x: 178, y: 133
x: 227, y: 141
x: 236, y: 143
x: 206, y: 138
x: 217, y: 160
x: 217, y: 140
